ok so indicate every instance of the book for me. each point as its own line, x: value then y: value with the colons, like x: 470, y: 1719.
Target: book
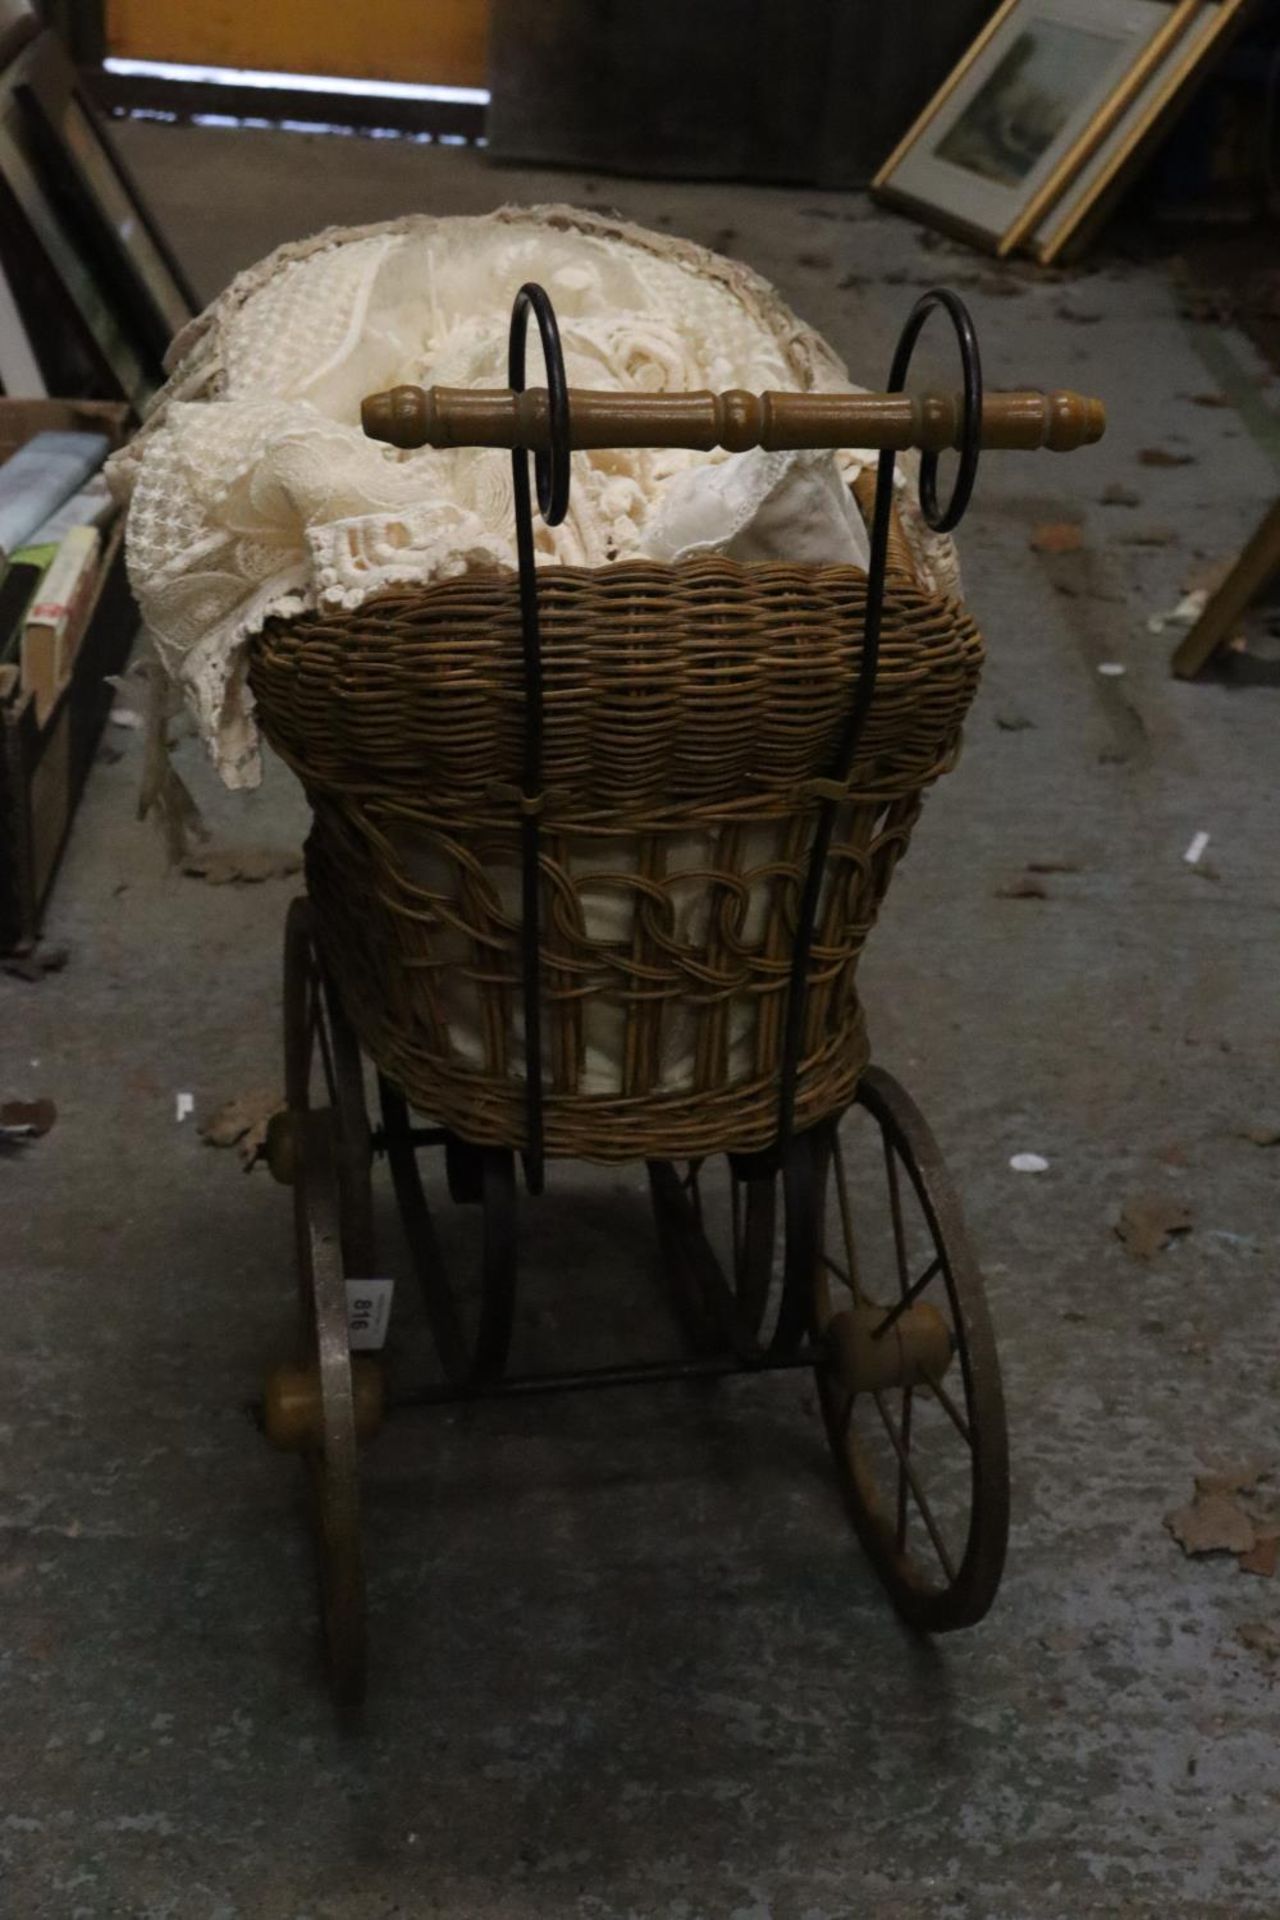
x: 17, y: 590
x: 36, y: 480
x: 55, y: 618
x: 93, y: 506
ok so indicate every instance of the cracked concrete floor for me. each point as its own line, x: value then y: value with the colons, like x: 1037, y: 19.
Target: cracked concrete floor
x: 627, y: 1661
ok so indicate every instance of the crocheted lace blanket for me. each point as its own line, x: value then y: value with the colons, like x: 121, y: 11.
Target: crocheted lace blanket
x: 253, y: 491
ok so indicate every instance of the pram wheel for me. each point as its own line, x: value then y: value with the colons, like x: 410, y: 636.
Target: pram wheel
x: 909, y: 1379
x: 472, y: 1341
x: 324, y: 1404
x: 323, y: 1066
x: 734, y: 1283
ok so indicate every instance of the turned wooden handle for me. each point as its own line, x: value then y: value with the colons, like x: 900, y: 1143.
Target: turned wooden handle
x: 496, y: 417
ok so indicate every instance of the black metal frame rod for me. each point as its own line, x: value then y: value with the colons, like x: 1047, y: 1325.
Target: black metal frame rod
x: 642, y: 1373
x: 941, y: 520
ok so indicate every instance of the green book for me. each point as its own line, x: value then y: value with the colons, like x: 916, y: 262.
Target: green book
x: 22, y: 576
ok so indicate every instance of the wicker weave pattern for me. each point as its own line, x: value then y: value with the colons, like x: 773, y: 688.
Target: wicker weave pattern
x: 688, y: 712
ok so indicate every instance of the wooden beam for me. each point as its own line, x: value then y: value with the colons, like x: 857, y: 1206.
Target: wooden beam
x: 1255, y: 570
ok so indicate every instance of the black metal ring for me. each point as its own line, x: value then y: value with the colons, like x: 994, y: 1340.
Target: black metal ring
x: 945, y: 521
x: 551, y: 469
x: 841, y: 769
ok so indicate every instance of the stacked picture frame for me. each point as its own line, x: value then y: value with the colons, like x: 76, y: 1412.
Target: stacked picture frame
x: 90, y: 293
x: 1034, y: 134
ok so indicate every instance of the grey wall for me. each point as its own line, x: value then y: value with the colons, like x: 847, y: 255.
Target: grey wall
x: 804, y: 90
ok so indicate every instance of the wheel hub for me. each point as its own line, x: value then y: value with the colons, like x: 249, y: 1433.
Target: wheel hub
x: 872, y: 1348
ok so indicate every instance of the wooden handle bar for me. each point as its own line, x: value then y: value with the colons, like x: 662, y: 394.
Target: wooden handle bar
x: 496, y: 417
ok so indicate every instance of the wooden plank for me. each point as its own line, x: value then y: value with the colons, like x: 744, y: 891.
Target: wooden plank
x: 1255, y: 570
x: 444, y: 44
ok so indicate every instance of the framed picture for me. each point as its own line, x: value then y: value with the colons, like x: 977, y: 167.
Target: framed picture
x: 1088, y: 197
x: 1031, y: 102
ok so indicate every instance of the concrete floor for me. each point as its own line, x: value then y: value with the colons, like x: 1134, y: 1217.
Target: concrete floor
x: 628, y: 1662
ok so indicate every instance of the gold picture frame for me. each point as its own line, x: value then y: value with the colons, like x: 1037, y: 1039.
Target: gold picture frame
x: 1089, y: 197
x: 1038, y: 92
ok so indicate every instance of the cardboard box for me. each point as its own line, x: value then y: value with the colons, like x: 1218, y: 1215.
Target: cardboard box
x: 43, y: 768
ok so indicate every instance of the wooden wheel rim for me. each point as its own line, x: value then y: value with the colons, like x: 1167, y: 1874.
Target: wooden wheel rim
x: 333, y: 1468
x: 958, y: 1596
x: 317, y: 1033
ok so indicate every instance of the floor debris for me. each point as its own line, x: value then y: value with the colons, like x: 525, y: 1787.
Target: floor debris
x: 1149, y: 1221
x: 1185, y: 614
x: 1025, y: 887
x: 1260, y: 1636
x: 1057, y: 536
x: 1262, y: 1136
x: 1112, y: 669
x: 242, y: 1123
x: 1212, y: 1523
x: 184, y: 1105
x: 1029, y: 1163
x: 245, y: 866
x: 1229, y: 1513
x: 1164, y: 457
x: 35, y: 962
x: 1011, y: 722
x: 26, y: 1119
x: 1149, y: 537
x: 1195, y: 852
x: 1262, y: 1556
x: 1118, y: 495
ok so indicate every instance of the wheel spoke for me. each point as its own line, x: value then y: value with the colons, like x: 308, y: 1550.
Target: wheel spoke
x: 912, y: 1480
x: 895, y: 1205
x: 321, y: 1032
x: 949, y: 1406
x: 846, y: 1224
x: 912, y: 1294
x: 693, y: 1190
x: 834, y: 1267
x: 905, y: 1435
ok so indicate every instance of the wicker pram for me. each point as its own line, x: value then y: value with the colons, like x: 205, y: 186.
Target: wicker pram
x: 729, y: 761
x: 692, y: 704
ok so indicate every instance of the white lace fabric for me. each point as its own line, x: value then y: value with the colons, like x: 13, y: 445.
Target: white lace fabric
x: 253, y: 491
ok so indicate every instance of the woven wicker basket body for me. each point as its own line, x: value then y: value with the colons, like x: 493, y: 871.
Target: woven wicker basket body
x: 689, y: 713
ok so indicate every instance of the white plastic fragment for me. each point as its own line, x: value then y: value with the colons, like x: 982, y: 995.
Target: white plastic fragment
x: 1195, y: 851
x: 1185, y: 614
x: 1029, y: 1163
x: 125, y: 717
x: 1112, y: 669
x: 184, y: 1106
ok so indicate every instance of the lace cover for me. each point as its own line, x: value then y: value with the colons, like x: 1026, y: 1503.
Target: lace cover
x: 253, y: 491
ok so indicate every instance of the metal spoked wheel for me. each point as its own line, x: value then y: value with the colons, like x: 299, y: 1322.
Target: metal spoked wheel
x: 735, y: 1283
x: 909, y: 1380
x: 325, y: 1403
x: 471, y: 1314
